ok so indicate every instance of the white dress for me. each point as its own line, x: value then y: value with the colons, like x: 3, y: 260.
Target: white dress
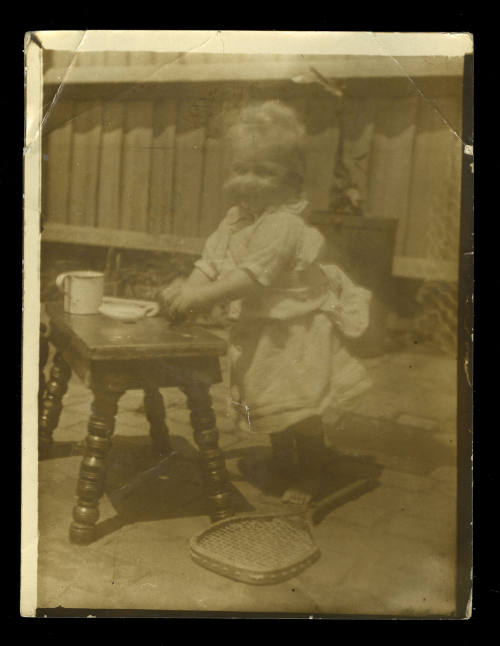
x: 287, y: 359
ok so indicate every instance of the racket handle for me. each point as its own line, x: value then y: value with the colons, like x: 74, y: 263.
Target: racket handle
x: 340, y: 497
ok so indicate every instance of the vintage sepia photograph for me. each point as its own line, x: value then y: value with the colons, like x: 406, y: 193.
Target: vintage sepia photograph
x: 247, y: 381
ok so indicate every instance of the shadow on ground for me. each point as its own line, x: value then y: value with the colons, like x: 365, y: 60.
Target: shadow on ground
x: 342, y: 473
x: 63, y: 450
x: 397, y: 446
x: 144, y: 487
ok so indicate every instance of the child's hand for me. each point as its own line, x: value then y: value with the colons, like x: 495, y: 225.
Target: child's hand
x: 167, y: 295
x: 186, y: 302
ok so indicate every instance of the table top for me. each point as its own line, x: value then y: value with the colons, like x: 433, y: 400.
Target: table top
x: 99, y: 337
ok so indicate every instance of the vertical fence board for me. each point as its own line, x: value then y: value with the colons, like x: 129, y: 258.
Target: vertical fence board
x: 229, y: 112
x: 57, y: 163
x: 108, y: 199
x: 322, y: 140
x: 391, y: 162
x: 162, y: 167
x: 190, y: 137
x: 136, y: 165
x: 158, y: 164
x: 358, y: 122
x: 87, y: 130
x: 211, y: 209
x: 432, y: 145
x: 445, y: 225
x: 299, y: 106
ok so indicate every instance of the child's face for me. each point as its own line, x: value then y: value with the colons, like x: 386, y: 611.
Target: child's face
x: 259, y: 179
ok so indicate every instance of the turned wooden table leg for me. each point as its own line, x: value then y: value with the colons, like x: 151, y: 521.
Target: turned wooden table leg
x: 51, y: 407
x: 93, y: 467
x: 212, y: 461
x: 155, y: 413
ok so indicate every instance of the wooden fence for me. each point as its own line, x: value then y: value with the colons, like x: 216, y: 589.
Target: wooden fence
x: 131, y: 164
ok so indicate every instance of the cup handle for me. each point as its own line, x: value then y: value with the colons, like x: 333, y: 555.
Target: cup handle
x: 60, y: 281
x: 152, y: 310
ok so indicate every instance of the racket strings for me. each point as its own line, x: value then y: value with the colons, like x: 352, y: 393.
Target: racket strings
x: 262, y: 543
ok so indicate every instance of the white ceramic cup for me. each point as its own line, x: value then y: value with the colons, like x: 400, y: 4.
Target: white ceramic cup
x: 83, y: 291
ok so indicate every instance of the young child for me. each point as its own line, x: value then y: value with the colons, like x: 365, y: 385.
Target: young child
x: 290, y: 311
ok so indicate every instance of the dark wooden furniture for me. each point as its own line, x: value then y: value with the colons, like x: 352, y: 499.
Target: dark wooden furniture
x: 364, y: 248
x: 112, y: 357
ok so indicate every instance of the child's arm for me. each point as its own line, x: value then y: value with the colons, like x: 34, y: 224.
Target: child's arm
x: 168, y: 294
x: 197, y: 279
x: 234, y: 285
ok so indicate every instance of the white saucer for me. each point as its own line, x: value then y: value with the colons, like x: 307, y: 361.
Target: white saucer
x: 126, y: 310
x: 127, y: 313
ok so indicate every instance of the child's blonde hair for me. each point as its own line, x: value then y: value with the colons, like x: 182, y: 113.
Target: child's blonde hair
x: 273, y: 125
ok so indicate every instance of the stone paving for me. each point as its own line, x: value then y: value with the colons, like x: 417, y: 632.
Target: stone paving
x: 388, y: 552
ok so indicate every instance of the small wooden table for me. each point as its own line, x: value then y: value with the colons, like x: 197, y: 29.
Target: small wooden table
x: 112, y: 357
